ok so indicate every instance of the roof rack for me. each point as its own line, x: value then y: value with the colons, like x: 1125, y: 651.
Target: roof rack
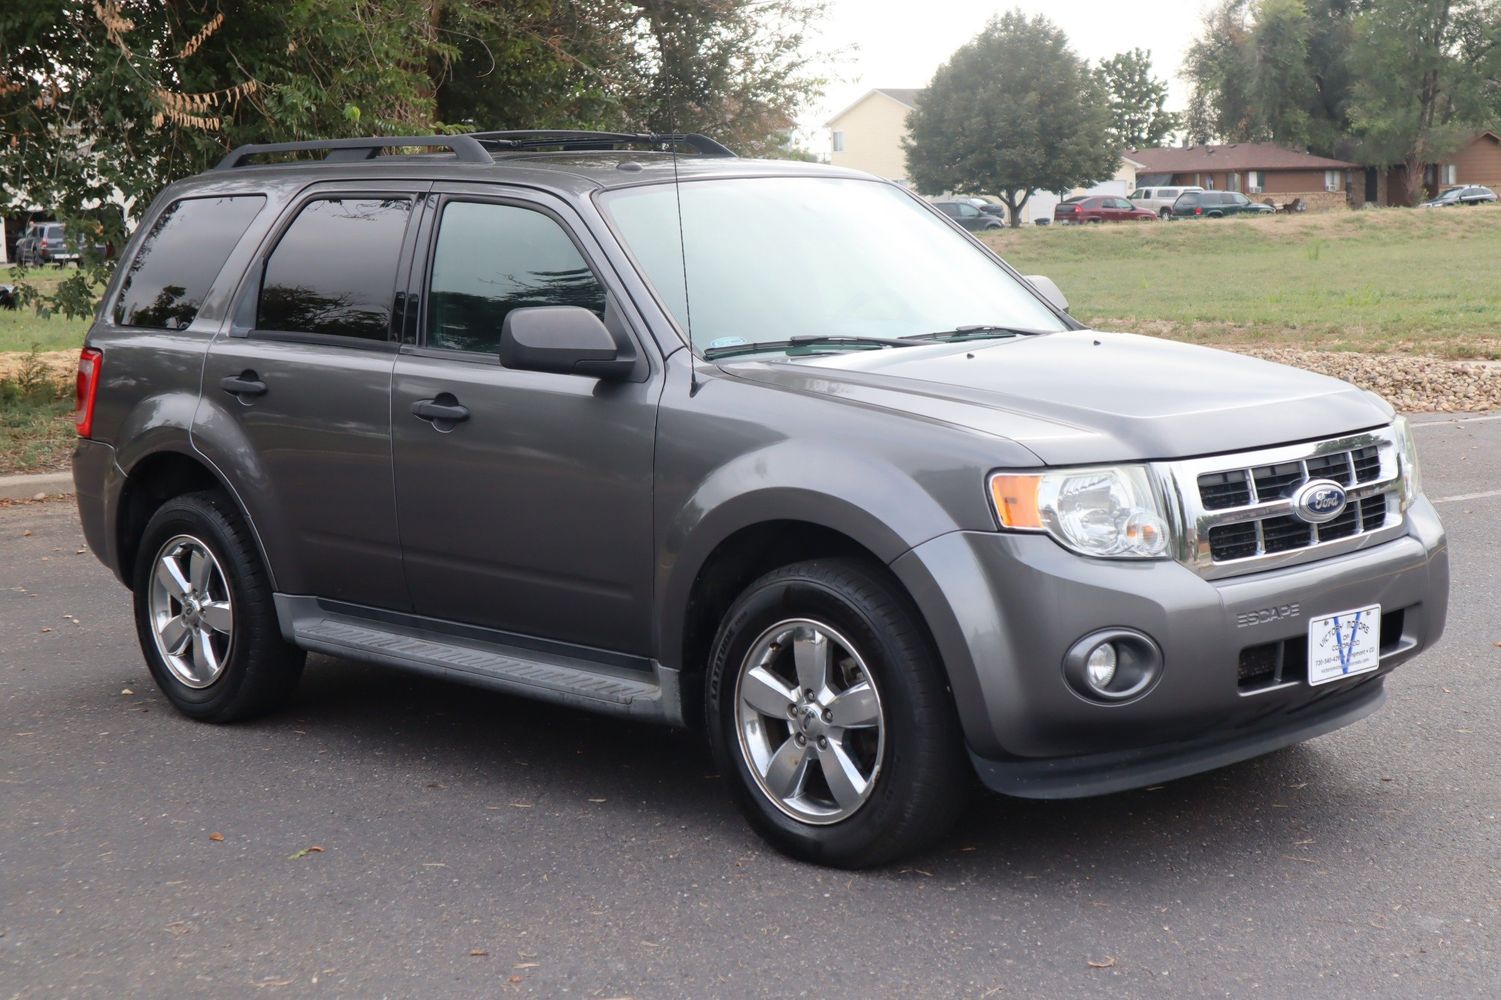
x: 466, y: 149
x: 521, y: 139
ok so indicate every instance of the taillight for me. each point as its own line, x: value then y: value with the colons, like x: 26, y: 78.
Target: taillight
x: 1078, y: 209
x: 43, y: 244
x: 87, y: 388
x: 1198, y: 211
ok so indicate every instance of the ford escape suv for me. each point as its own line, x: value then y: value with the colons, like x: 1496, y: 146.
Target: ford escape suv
x: 626, y: 423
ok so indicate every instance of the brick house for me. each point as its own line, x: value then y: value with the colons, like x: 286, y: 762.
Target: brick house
x: 1478, y: 161
x: 1259, y: 170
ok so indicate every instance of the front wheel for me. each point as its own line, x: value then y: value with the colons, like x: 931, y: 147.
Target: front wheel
x: 829, y: 713
x: 1166, y: 215
x: 204, y: 613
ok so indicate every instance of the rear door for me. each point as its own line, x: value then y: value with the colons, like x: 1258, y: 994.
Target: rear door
x: 302, y: 383
x: 533, y: 513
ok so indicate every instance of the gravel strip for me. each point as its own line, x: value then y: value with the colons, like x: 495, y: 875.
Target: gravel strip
x: 1411, y: 384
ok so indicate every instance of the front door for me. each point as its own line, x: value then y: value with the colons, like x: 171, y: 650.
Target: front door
x: 532, y: 513
x: 305, y: 372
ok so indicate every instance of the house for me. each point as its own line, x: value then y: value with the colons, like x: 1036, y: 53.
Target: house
x: 868, y: 134
x: 1478, y: 161
x: 1259, y: 170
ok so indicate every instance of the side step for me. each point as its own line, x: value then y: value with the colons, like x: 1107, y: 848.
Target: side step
x: 546, y: 676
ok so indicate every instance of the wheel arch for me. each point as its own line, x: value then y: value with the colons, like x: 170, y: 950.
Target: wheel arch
x: 152, y: 480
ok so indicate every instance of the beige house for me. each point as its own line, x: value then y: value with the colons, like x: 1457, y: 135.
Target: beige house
x: 868, y: 134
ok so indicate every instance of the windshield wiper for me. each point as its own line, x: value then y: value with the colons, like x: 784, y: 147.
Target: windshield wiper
x: 807, y: 340
x: 978, y: 331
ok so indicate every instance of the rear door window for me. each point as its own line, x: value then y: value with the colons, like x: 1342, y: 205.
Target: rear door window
x: 334, y: 270
x: 492, y: 258
x: 179, y: 258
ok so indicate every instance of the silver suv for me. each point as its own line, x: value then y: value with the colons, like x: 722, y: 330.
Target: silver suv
x: 772, y: 449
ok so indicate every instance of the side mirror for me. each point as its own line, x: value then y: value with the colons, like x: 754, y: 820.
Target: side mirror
x: 1049, y: 291
x: 567, y: 340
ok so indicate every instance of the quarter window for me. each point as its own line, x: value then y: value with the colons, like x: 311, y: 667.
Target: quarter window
x: 491, y: 259
x: 179, y: 259
x: 334, y: 271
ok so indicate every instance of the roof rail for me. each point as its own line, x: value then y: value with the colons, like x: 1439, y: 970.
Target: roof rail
x: 580, y: 139
x: 465, y: 148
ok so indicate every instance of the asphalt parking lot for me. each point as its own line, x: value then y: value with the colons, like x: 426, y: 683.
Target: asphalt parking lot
x: 393, y: 836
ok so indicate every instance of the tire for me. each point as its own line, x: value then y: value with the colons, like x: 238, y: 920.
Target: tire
x: 911, y: 762
x: 216, y: 613
x: 1166, y: 215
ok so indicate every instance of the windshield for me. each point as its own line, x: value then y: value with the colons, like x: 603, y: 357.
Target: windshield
x: 775, y: 258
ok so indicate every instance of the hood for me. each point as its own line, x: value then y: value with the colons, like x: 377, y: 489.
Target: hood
x: 1083, y: 396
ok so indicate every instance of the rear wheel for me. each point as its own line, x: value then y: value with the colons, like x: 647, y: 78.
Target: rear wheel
x: 1165, y: 214
x: 828, y: 711
x: 204, y: 613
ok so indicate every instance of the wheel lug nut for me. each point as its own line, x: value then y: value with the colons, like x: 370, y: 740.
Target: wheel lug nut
x: 823, y: 743
x: 828, y: 716
x: 792, y: 711
x: 808, y: 694
x: 802, y: 740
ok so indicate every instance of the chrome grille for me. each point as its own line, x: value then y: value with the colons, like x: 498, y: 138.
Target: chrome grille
x: 1237, y: 514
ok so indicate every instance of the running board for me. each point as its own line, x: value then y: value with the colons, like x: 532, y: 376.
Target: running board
x: 543, y: 675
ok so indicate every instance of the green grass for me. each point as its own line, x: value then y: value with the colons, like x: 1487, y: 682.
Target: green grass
x: 36, y: 425
x: 21, y: 328
x: 1410, y: 281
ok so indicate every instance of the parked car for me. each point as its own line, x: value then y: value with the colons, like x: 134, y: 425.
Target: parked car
x: 987, y: 207
x: 1159, y: 200
x: 969, y: 216
x: 45, y: 243
x: 1216, y: 204
x: 845, y: 491
x: 1099, y: 208
x: 1465, y: 194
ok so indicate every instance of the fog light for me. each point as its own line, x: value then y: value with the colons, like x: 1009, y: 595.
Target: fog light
x: 1100, y: 666
x: 1112, y: 665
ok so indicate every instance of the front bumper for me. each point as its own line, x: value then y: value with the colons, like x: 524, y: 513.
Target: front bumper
x: 1004, y: 608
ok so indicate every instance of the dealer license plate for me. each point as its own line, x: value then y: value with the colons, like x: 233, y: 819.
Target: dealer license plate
x: 1344, y: 644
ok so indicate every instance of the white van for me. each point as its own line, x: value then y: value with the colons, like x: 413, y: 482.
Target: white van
x: 1159, y: 199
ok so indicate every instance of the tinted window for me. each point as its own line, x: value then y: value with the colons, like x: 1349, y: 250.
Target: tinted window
x: 948, y: 209
x: 334, y: 271
x: 491, y: 259
x: 968, y: 211
x: 1188, y: 199
x: 179, y: 259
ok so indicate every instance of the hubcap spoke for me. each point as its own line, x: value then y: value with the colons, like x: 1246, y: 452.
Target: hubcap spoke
x: 218, y: 616
x: 175, y: 635
x: 170, y: 575
x: 856, y: 708
x: 205, y: 660
x: 810, y: 655
x: 844, y: 778
x: 762, y: 691
x: 787, y: 770
x: 199, y: 568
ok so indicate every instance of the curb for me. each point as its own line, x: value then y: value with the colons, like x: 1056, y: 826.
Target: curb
x: 27, y: 487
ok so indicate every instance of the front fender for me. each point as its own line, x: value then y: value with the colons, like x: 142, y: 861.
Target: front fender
x: 880, y: 507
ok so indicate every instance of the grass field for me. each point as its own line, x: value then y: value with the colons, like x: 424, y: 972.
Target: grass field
x: 1409, y: 281
x: 36, y: 425
x: 21, y: 328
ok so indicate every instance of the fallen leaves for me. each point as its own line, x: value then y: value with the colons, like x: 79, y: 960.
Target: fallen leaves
x: 216, y: 837
x: 477, y: 953
x: 315, y: 849
x: 1108, y: 962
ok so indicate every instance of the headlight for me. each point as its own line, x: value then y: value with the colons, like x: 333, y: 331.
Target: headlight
x: 1407, y: 455
x: 1110, y: 512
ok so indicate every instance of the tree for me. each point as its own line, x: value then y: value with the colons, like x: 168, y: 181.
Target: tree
x: 1137, y: 100
x: 1011, y: 112
x: 107, y: 102
x: 1423, y: 80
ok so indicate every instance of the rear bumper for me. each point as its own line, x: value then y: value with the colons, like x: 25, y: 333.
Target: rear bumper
x: 1003, y: 610
x: 97, y: 482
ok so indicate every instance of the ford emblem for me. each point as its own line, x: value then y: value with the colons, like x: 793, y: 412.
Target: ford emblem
x: 1319, y: 500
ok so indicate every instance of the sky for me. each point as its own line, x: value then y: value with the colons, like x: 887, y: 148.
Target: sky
x: 900, y: 43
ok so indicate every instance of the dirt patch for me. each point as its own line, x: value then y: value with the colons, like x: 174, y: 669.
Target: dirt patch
x: 1411, y: 384
x: 61, y: 363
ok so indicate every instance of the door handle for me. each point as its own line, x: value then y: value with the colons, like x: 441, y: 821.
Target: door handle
x: 444, y: 409
x: 247, y: 383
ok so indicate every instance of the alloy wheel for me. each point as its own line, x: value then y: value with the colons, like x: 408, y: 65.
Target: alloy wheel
x: 191, y: 612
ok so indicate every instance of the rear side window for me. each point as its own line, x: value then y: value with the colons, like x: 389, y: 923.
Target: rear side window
x: 334, y: 270
x: 491, y: 259
x: 179, y: 259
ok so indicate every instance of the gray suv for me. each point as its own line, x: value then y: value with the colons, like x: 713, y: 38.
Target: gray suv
x: 775, y: 449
